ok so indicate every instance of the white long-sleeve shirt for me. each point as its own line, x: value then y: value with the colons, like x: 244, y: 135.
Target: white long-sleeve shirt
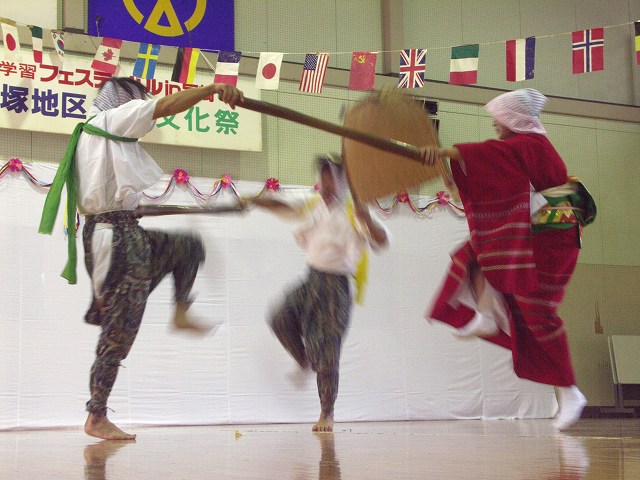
x: 332, y: 243
x: 113, y: 174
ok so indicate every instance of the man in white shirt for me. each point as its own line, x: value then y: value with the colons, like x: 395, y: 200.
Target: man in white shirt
x: 125, y: 261
x: 313, y: 318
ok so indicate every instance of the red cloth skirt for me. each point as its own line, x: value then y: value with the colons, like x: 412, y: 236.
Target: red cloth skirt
x: 537, y: 340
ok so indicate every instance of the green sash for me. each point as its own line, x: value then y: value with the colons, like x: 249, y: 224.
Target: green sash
x: 66, y: 175
x: 569, y: 205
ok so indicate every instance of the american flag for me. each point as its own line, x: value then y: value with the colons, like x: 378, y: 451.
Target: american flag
x: 315, y: 67
x: 412, y: 66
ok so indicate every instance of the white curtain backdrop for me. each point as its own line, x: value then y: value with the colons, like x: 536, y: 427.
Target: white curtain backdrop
x: 395, y: 365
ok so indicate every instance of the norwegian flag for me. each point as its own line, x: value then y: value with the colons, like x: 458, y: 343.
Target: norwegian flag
x: 588, y: 50
x: 412, y: 67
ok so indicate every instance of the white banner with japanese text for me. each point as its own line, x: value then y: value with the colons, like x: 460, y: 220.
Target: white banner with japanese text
x: 49, y: 98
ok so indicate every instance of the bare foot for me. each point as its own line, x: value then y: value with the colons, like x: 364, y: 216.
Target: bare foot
x: 182, y: 321
x: 101, y: 427
x: 324, y: 423
x: 300, y: 377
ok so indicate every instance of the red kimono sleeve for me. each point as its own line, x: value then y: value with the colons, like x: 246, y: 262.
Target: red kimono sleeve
x: 495, y: 188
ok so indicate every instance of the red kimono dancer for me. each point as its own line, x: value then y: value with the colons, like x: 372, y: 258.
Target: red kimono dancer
x: 531, y: 271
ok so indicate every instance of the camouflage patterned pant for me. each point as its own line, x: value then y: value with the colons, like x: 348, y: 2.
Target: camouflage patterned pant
x: 140, y: 259
x: 311, y: 324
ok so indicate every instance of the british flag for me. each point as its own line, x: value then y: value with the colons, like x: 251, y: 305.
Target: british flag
x: 412, y: 66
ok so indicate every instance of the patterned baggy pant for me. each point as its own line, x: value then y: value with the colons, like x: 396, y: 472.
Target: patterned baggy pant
x: 311, y: 324
x: 140, y: 259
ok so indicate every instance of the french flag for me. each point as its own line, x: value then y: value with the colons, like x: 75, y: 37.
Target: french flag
x: 227, y: 68
x: 521, y: 55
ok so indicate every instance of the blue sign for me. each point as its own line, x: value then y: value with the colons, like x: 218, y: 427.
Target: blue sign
x: 206, y: 24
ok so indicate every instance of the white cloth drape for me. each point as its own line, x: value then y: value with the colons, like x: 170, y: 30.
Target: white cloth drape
x: 394, y: 366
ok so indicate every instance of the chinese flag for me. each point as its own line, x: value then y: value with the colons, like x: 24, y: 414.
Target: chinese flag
x: 363, y: 70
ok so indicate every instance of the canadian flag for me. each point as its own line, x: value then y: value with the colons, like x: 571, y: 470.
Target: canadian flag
x: 107, y: 56
x: 268, y: 74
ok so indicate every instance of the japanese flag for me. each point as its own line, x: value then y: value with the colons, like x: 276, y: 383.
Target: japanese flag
x: 268, y: 74
x: 10, y: 36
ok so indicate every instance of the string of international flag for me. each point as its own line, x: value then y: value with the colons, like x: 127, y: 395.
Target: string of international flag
x: 587, y: 56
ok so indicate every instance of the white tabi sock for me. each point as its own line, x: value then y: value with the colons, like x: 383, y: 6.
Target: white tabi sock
x: 571, y: 401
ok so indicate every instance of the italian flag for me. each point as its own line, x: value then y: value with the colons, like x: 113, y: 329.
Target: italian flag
x: 36, y: 34
x: 464, y: 64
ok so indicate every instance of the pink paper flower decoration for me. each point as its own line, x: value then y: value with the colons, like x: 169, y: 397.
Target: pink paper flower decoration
x: 225, y: 180
x: 403, y: 197
x: 443, y: 198
x: 181, y: 176
x: 15, y: 165
x: 273, y: 184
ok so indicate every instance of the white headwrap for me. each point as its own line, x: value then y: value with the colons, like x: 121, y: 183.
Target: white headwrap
x: 519, y: 110
x: 112, y: 95
x: 336, y: 168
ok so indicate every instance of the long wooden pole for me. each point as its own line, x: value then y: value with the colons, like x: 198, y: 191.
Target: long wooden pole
x: 386, y: 144
x: 158, y: 210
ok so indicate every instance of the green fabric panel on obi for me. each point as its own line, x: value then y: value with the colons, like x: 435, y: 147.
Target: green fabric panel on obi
x: 586, y: 205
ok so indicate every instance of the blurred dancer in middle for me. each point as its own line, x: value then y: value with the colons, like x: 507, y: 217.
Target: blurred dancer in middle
x: 313, y: 318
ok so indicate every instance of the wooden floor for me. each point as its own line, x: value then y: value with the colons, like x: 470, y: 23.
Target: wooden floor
x: 522, y: 449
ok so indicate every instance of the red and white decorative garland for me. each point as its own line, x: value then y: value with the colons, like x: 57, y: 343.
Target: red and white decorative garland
x: 180, y: 177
